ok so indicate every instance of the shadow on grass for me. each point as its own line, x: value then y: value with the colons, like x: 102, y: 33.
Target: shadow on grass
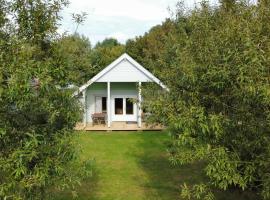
x: 164, y: 180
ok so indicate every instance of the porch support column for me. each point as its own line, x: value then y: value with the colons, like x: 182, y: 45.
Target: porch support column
x: 84, y: 108
x: 139, y: 105
x: 109, y: 104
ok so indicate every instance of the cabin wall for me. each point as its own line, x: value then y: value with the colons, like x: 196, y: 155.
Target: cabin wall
x: 100, y: 89
x: 124, y: 72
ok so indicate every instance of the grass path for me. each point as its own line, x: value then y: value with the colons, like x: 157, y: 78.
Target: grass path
x: 134, y: 166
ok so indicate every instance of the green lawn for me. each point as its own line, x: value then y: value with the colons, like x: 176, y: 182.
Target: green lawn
x: 134, y: 166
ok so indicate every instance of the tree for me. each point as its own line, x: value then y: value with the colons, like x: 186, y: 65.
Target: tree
x: 37, y: 150
x: 74, y: 52
x: 152, y: 49
x: 108, y: 43
x: 105, y: 52
x: 78, y: 19
x: 217, y: 109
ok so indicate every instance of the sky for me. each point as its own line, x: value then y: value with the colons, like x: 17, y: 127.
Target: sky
x: 120, y: 19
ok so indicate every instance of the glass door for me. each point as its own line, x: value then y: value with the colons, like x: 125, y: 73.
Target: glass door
x: 129, y: 106
x: 118, y: 106
x: 124, y: 109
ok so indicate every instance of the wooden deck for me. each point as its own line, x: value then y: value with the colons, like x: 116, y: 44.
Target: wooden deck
x: 118, y: 126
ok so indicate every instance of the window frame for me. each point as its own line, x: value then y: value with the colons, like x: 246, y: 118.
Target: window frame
x: 129, y: 100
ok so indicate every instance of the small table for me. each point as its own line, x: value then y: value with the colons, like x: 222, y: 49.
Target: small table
x: 99, y: 118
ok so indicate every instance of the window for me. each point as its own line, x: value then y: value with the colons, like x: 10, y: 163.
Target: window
x: 118, y: 106
x: 104, y: 104
x: 129, y: 106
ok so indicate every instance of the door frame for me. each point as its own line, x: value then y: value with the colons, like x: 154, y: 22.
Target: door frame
x: 124, y: 117
x: 95, y: 102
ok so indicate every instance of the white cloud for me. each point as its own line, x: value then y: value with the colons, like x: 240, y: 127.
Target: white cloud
x: 120, y: 36
x: 121, y: 19
x: 136, y: 9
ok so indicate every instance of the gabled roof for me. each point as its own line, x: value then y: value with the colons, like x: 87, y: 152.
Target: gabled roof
x: 124, y: 57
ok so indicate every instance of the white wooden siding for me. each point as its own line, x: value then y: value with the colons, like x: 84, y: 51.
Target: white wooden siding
x: 123, y: 69
x: 124, y: 72
x: 100, y: 89
x: 91, y: 93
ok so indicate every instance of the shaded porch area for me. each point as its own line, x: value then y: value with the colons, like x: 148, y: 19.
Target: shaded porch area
x: 118, y: 126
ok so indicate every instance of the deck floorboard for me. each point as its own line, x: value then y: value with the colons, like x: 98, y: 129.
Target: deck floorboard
x: 118, y: 126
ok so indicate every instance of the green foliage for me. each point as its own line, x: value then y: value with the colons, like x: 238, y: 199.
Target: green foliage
x: 37, y: 149
x: 105, y: 52
x: 216, y: 64
x: 151, y: 48
x: 80, y: 60
x: 74, y: 52
x: 108, y: 43
x: 78, y: 19
x: 199, y: 191
x: 36, y: 20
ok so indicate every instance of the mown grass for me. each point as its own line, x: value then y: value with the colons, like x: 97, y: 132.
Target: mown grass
x: 135, y: 166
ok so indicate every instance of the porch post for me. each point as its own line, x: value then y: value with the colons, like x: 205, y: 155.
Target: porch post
x: 84, y: 109
x: 109, y: 104
x: 139, y: 105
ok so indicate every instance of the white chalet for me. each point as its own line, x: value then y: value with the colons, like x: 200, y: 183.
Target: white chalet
x: 109, y: 94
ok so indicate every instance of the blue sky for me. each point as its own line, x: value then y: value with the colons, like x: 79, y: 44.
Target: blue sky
x: 121, y: 19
